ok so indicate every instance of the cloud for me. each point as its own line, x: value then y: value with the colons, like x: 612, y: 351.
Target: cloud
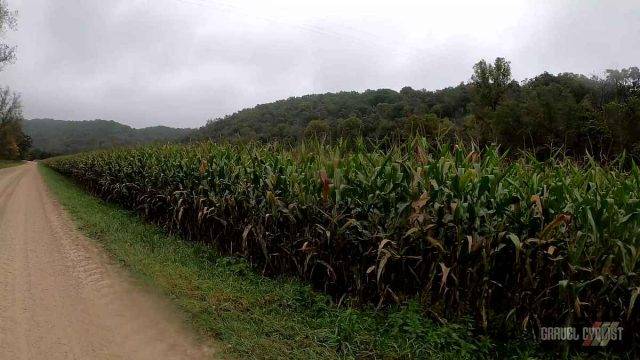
x: 181, y: 62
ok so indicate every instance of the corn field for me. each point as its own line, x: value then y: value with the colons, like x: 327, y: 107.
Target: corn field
x: 513, y: 243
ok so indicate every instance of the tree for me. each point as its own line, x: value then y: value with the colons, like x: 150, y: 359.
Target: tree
x: 24, y: 146
x: 429, y: 125
x: 7, y: 21
x: 624, y: 83
x: 11, y: 136
x: 13, y: 142
x: 318, y: 129
x: 350, y: 127
x: 491, y: 81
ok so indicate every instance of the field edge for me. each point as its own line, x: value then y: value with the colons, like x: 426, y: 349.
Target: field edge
x: 255, y: 317
x: 10, y: 163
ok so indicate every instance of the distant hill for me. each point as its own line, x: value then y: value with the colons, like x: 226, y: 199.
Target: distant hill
x: 67, y: 137
x: 372, y: 113
x: 287, y: 119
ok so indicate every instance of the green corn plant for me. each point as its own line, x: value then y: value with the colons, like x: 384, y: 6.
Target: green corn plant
x: 513, y: 242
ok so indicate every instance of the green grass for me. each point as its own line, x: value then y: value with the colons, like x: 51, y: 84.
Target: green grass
x: 250, y: 316
x: 9, y: 163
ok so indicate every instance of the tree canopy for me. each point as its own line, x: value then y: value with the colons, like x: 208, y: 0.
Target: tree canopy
x: 599, y: 115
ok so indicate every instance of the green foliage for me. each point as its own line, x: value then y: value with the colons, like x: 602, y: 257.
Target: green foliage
x: 9, y: 163
x: 14, y: 144
x: 254, y: 317
x: 512, y: 244
x: 67, y: 137
x: 429, y: 126
x: 317, y: 129
x: 598, y: 116
x: 350, y: 127
x: 490, y: 82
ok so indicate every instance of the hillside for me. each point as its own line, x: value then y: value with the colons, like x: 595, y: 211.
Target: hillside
x: 289, y: 118
x: 67, y: 137
x: 599, y: 115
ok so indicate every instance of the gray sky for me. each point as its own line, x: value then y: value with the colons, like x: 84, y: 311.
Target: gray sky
x: 181, y: 62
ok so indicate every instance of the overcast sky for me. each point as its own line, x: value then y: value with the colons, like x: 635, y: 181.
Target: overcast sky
x: 181, y: 62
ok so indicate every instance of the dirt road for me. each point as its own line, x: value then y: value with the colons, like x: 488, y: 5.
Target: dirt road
x: 60, y: 295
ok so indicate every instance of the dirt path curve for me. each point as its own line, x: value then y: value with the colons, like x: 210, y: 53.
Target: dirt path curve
x: 61, y: 297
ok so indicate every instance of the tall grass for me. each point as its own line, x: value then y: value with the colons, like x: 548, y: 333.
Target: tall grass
x: 9, y: 163
x: 513, y: 243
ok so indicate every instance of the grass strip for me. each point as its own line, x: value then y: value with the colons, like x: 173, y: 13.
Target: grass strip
x: 9, y: 163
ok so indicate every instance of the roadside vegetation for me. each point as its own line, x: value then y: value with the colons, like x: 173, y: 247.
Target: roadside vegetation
x: 457, y: 234
x: 9, y: 163
x: 14, y: 143
x: 250, y: 316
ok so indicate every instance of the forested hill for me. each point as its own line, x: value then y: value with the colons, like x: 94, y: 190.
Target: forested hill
x: 581, y: 113
x: 65, y: 137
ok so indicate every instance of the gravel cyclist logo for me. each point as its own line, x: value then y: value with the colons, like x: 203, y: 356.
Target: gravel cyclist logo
x: 599, y: 334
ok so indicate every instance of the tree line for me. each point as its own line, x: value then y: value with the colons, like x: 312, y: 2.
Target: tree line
x: 14, y: 143
x: 598, y: 115
x: 577, y: 113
